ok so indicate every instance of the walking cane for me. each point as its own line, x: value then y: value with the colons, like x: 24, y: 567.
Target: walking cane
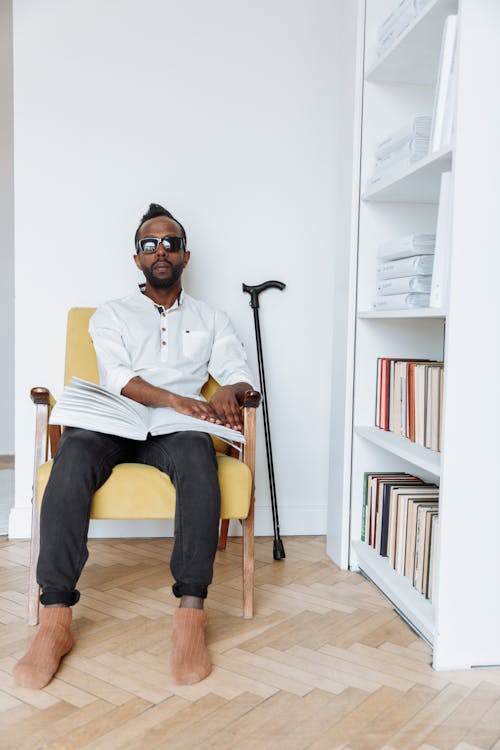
x: 254, y: 291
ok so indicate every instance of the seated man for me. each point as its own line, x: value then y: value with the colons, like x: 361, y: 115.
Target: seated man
x: 156, y: 346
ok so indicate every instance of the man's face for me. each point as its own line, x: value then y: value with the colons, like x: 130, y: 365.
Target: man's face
x: 163, y: 268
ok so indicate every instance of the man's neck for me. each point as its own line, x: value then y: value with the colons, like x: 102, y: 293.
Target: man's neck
x: 164, y: 297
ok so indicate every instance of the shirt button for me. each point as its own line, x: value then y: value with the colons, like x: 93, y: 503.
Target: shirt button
x: 163, y: 343
x: 163, y: 329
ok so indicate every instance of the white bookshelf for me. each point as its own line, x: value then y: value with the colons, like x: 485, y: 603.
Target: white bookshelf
x: 463, y: 621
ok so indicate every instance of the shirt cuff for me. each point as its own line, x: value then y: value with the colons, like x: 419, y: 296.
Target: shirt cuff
x: 117, y: 379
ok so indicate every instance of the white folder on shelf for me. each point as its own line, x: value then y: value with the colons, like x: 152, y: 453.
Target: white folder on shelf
x: 419, y: 265
x: 404, y: 284
x: 401, y: 301
x: 404, y: 247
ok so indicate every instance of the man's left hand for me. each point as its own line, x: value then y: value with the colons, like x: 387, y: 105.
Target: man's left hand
x: 225, y: 403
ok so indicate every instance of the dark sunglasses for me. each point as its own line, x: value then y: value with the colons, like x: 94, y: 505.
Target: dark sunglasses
x: 150, y: 245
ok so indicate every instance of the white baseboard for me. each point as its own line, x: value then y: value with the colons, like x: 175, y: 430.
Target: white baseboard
x: 294, y: 521
x: 20, y: 522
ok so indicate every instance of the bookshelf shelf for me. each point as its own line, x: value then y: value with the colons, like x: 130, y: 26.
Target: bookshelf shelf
x: 414, y: 57
x: 416, y: 312
x: 414, y: 607
x: 400, y: 446
x: 417, y: 184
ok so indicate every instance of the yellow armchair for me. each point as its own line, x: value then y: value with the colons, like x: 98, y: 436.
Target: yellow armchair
x: 137, y: 491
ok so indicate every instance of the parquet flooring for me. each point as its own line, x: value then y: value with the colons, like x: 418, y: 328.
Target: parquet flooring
x: 326, y: 664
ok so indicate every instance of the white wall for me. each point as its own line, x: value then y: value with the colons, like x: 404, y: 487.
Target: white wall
x: 6, y: 233
x: 225, y: 112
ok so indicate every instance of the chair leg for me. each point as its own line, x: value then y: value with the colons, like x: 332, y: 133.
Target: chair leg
x: 248, y: 567
x: 33, y: 588
x: 224, y: 528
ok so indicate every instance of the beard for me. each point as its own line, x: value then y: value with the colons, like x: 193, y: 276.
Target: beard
x: 165, y: 282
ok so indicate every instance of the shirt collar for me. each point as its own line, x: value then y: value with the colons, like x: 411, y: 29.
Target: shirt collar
x: 178, y: 302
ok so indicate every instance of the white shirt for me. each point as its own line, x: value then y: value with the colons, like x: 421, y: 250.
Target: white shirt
x: 175, y: 349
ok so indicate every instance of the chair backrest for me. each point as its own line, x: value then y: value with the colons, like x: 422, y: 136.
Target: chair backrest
x: 81, y: 359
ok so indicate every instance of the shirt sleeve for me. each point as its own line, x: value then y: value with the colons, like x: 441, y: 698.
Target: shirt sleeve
x: 113, y: 360
x: 228, y: 361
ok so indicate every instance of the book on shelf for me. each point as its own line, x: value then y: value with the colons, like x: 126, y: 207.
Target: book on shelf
x: 404, y: 285
x: 406, y: 301
x: 429, y: 500
x: 87, y: 405
x: 445, y: 92
x: 422, y: 545
x: 417, y: 265
x: 407, y: 246
x: 433, y: 553
x: 433, y: 407
x: 441, y: 266
x: 418, y: 127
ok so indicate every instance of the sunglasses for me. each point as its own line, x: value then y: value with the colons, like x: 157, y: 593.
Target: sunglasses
x: 150, y: 245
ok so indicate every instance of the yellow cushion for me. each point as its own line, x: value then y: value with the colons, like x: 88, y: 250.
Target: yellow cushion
x: 136, y: 491
x: 81, y: 360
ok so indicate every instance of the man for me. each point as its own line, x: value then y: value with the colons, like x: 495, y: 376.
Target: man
x: 156, y: 346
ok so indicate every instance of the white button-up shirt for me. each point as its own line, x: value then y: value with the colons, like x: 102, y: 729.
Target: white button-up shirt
x: 175, y: 349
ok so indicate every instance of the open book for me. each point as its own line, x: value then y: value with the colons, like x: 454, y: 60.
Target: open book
x: 87, y: 405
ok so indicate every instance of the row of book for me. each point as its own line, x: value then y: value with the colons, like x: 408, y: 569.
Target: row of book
x: 400, y: 521
x: 409, y: 399
x: 396, y: 22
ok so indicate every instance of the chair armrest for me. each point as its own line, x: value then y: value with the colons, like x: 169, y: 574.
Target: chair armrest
x: 251, y: 399
x: 40, y: 395
x: 45, y: 434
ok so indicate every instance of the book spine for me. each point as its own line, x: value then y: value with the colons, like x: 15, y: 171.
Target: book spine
x: 404, y: 284
x: 418, y: 265
x: 401, y: 301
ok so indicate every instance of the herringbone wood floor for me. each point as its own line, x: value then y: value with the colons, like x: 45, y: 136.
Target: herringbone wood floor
x: 325, y: 664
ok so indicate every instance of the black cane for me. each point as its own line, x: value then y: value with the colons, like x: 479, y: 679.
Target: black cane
x: 254, y: 291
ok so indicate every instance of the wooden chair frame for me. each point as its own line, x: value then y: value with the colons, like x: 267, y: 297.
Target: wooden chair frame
x: 46, y: 441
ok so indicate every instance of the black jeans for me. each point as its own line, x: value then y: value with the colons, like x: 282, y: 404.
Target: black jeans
x: 83, y: 462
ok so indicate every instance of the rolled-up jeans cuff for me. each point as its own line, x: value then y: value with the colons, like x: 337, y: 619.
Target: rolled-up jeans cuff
x: 189, y: 589
x: 52, y: 596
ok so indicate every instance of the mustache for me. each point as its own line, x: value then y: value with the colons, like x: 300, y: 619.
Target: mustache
x: 165, y: 262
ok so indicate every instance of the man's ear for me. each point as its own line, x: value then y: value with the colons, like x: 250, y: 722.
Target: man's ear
x: 187, y: 256
x: 137, y: 262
